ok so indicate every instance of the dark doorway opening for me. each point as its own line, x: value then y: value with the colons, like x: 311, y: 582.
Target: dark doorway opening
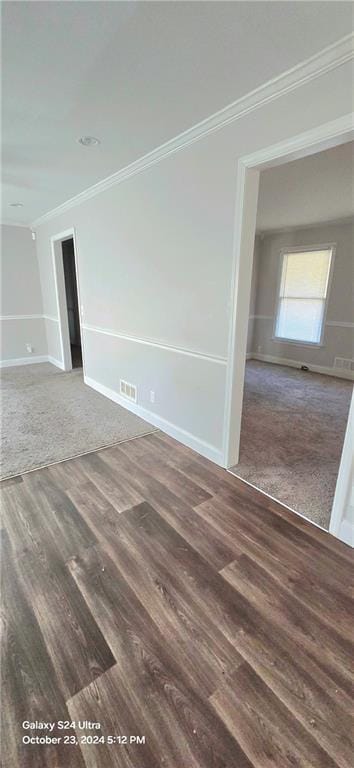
x: 72, y: 302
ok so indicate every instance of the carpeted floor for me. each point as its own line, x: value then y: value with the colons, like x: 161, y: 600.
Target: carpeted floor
x: 48, y: 415
x: 293, y: 427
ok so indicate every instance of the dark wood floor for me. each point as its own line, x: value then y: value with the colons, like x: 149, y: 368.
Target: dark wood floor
x: 148, y: 590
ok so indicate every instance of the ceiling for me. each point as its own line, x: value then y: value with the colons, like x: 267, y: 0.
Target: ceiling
x: 134, y: 74
x: 312, y: 190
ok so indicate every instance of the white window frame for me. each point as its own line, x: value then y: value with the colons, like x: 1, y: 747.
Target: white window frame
x: 303, y: 249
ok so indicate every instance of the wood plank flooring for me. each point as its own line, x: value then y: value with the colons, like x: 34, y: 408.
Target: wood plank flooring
x: 198, y: 622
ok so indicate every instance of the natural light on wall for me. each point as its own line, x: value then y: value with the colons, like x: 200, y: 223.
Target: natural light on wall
x: 302, y: 295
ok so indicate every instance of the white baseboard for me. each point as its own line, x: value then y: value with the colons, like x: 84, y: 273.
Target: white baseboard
x: 57, y: 363
x: 346, y: 532
x: 198, y: 445
x: 326, y: 370
x: 31, y: 360
x: 24, y: 361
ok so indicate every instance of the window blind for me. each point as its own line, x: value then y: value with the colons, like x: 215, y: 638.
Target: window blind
x: 302, y: 295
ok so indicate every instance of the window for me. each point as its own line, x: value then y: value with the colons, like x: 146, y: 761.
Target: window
x: 302, y: 295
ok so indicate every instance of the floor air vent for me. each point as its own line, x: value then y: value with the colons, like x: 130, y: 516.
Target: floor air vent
x: 127, y: 390
x: 344, y: 364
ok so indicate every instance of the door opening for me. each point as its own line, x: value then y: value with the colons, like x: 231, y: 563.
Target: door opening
x: 72, y: 302
x: 67, y: 289
x: 322, y: 138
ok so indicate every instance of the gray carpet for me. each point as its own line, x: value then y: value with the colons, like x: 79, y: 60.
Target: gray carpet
x: 48, y: 415
x: 293, y: 427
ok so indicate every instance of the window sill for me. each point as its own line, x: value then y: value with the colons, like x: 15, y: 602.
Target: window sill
x: 297, y: 343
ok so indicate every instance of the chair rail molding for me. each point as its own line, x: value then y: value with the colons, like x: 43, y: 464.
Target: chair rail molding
x: 21, y: 317
x: 29, y: 317
x: 339, y: 324
x: 10, y: 223
x: 155, y: 343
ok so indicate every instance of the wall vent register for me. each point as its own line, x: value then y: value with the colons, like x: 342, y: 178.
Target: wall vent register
x: 127, y: 390
x: 344, y: 364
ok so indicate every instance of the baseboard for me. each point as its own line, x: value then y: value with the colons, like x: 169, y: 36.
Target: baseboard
x: 57, y: 363
x: 24, y: 361
x: 346, y: 532
x: 326, y: 370
x: 205, y: 449
x: 31, y: 360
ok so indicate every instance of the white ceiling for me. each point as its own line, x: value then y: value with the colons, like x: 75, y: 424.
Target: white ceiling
x: 312, y: 190
x: 134, y: 74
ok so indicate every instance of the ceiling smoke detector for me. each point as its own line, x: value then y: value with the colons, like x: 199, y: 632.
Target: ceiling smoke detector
x: 16, y: 205
x: 88, y: 141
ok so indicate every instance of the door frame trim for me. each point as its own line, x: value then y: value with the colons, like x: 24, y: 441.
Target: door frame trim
x: 59, y: 282
x: 324, y: 136
x: 340, y: 525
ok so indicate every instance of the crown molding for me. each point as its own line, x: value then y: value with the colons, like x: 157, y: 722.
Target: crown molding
x: 327, y: 59
x: 341, y: 128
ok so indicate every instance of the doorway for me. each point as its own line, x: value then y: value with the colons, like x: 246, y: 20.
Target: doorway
x: 72, y: 303
x: 249, y: 168
x: 299, y: 368
x: 69, y: 306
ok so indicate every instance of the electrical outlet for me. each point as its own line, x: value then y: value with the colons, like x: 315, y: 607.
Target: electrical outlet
x: 29, y: 348
x: 259, y: 348
x: 152, y: 396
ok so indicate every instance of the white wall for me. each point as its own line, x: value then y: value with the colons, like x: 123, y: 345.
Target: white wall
x: 155, y: 257
x: 21, y: 311
x: 253, y: 297
x: 338, y: 338
x: 317, y: 188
